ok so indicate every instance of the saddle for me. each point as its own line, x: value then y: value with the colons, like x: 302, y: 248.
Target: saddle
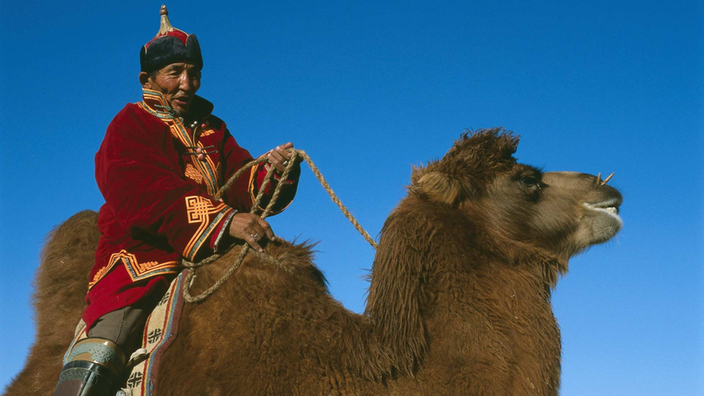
x: 159, y: 333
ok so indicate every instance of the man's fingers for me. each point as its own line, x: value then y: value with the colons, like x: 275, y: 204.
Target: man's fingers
x: 284, y: 152
x: 251, y: 228
x: 277, y: 155
x: 280, y: 155
x: 277, y: 163
x: 267, y: 229
x: 253, y: 243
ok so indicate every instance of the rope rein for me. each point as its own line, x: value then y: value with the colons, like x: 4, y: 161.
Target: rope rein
x: 246, y: 249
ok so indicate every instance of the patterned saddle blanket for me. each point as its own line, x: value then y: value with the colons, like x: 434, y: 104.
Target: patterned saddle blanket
x: 159, y: 333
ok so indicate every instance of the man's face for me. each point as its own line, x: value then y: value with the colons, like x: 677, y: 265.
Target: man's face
x: 178, y: 82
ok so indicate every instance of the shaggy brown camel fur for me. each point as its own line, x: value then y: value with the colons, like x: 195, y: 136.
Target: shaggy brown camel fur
x: 459, y: 302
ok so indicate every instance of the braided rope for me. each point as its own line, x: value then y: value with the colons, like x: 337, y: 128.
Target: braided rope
x: 335, y: 199
x: 191, y: 266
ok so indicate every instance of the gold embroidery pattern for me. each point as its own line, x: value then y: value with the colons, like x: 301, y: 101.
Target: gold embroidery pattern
x: 146, y: 266
x: 207, y: 132
x: 114, y: 259
x: 206, y: 167
x: 135, y: 269
x: 99, y: 275
x: 193, y: 174
x: 139, y: 270
x: 199, y: 210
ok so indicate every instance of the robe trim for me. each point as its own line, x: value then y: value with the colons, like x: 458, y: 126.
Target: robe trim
x: 206, y: 167
x: 154, y: 103
x: 224, y: 229
x: 135, y: 269
x: 199, y: 210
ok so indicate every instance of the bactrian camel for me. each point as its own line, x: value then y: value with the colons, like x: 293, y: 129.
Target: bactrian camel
x: 459, y: 301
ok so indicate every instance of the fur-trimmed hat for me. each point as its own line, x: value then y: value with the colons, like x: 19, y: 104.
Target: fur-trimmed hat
x: 170, y: 45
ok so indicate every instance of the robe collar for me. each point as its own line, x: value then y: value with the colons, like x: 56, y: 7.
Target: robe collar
x: 155, y: 103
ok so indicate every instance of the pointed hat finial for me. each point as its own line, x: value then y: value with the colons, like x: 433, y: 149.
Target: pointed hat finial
x: 165, y: 27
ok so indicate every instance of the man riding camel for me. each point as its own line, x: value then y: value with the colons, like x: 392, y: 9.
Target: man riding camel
x: 159, y: 167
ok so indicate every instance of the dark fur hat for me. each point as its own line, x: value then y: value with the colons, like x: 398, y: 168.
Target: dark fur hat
x: 170, y: 45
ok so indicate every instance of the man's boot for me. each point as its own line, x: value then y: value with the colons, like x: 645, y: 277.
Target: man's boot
x: 95, y: 367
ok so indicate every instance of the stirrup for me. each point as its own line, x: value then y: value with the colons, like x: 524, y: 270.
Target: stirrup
x: 94, y: 367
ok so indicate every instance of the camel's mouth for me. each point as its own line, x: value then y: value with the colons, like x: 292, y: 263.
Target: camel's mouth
x: 609, y: 207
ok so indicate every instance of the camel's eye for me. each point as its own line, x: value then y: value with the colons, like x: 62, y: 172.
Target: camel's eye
x: 529, y: 181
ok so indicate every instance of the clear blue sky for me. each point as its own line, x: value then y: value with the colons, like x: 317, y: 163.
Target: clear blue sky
x: 370, y: 88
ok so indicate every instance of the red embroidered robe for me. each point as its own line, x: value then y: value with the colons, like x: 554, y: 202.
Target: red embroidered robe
x: 159, y: 198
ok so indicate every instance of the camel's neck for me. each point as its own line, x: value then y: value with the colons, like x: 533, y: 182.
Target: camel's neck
x: 493, y: 294
x: 497, y: 316
x: 442, y: 287
x: 465, y: 308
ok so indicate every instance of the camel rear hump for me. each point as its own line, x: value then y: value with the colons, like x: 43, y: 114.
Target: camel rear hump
x: 60, y: 287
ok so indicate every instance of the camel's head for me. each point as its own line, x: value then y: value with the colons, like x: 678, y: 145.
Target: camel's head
x: 559, y: 213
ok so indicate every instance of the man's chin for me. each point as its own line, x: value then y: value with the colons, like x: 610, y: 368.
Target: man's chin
x: 180, y: 111
x: 180, y: 106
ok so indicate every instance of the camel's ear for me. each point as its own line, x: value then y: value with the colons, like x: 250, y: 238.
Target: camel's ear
x: 441, y: 187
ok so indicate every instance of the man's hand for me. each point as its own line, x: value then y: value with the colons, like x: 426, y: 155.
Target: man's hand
x: 250, y: 228
x: 279, y: 156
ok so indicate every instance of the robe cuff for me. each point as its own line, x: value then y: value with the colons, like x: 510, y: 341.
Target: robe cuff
x: 221, y: 232
x: 289, y: 187
x: 201, y: 210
